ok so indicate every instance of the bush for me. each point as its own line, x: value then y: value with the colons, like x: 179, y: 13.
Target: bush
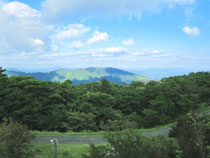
x: 15, y: 140
x: 100, y: 151
x: 118, y: 125
x: 131, y: 145
x: 193, y: 135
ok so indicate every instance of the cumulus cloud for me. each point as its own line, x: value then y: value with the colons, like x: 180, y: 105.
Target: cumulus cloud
x: 21, y: 28
x: 192, y: 31
x: 129, y: 42
x: 71, y: 31
x: 20, y: 10
x: 36, y: 42
x: 54, y: 9
x: 109, y: 52
x: 97, y: 36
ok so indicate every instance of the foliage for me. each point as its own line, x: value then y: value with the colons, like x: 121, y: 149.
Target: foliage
x: 193, y: 135
x: 15, y: 140
x: 54, y: 106
x: 118, y: 125
x: 131, y: 145
x: 81, y: 122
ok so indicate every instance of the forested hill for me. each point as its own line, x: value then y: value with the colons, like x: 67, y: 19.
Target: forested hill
x: 85, y: 75
x: 95, y: 106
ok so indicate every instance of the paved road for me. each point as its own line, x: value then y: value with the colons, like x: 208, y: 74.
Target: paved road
x: 87, y: 139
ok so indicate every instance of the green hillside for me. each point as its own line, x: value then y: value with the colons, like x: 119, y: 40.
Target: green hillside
x: 85, y: 75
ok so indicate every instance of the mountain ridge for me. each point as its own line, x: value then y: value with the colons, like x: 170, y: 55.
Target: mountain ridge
x: 84, y: 75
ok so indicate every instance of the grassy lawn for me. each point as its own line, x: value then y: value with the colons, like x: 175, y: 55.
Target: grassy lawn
x: 64, y: 151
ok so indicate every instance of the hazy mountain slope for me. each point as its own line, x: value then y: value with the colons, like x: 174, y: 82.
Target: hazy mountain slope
x: 85, y: 75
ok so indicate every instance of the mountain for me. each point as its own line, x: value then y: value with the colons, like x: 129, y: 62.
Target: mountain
x: 85, y: 75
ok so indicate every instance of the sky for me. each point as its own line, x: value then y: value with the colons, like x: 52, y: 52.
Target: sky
x: 126, y: 34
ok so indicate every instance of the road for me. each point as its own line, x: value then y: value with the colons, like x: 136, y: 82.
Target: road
x: 87, y: 139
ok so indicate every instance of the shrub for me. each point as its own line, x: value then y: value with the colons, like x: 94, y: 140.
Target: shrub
x: 131, y: 145
x: 118, y: 125
x: 193, y: 135
x: 15, y: 140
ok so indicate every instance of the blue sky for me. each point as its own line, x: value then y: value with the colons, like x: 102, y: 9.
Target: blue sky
x: 129, y: 34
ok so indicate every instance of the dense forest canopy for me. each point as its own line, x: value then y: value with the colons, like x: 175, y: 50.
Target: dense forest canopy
x: 94, y: 106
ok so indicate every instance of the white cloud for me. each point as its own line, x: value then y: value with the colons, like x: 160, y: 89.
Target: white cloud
x: 149, y: 52
x: 55, y: 10
x: 129, y: 42
x: 21, y: 29
x: 105, y: 52
x: 115, y: 50
x: 20, y: 10
x: 77, y: 44
x: 71, y: 31
x: 193, y: 31
x: 36, y: 42
x: 90, y: 53
x: 97, y: 36
x: 157, y: 51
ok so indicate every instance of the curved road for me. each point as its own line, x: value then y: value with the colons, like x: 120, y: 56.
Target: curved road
x: 87, y: 139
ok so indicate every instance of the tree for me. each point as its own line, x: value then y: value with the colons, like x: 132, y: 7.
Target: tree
x: 105, y: 86
x: 3, y: 91
x: 78, y: 121
x: 99, y: 104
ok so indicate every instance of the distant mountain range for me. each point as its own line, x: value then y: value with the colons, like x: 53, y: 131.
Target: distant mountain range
x: 84, y: 75
x: 159, y: 73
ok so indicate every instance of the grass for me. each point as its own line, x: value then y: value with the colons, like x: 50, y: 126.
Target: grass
x: 55, y: 133
x: 100, y: 133
x: 64, y: 151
